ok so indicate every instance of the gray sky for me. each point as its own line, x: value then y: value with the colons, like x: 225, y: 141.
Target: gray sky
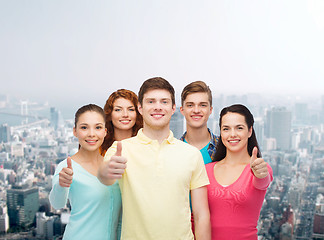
x: 65, y: 51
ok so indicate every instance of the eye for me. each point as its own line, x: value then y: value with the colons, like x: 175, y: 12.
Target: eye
x: 99, y: 127
x: 225, y: 129
x: 132, y: 109
x: 189, y: 105
x: 83, y: 127
x: 204, y: 105
x: 117, y: 110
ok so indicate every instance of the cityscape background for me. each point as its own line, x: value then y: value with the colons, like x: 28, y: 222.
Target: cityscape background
x: 35, y: 137
x: 59, y: 55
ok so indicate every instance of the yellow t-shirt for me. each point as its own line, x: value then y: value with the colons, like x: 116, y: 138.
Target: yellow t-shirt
x: 155, y: 187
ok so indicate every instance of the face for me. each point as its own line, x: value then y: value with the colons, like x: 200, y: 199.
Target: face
x: 235, y: 132
x: 90, y: 130
x: 196, y: 109
x: 123, y: 115
x: 157, y: 109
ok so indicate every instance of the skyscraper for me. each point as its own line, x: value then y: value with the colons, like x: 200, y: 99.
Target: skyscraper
x: 279, y: 127
x: 23, y: 203
x: 176, y: 124
x: 4, y: 133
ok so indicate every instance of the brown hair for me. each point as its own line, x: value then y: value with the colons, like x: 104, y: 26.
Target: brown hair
x: 87, y: 108
x: 196, y: 87
x: 155, y: 83
x: 110, y: 137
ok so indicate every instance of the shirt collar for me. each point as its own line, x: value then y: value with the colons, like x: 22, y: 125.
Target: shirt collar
x: 213, y: 138
x: 146, y: 140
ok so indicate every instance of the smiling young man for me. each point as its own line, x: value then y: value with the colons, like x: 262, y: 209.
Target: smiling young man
x: 161, y: 171
x: 196, y: 101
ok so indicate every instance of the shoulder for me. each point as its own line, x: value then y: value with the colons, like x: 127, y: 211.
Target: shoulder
x: 184, y: 145
x: 210, y: 165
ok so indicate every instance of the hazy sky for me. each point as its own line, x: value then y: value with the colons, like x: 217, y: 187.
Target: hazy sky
x: 81, y: 51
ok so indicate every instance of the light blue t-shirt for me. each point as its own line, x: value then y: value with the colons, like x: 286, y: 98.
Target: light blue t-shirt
x: 95, y: 208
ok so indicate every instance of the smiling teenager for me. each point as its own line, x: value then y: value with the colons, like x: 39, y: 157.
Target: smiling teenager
x: 93, y: 213
x: 238, y: 177
x: 160, y: 173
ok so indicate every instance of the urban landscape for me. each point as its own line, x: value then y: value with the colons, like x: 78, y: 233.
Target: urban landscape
x: 35, y: 137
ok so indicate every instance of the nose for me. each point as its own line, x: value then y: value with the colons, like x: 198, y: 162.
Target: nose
x: 91, y: 132
x: 125, y: 113
x: 233, y: 132
x: 157, y: 106
x: 196, y: 108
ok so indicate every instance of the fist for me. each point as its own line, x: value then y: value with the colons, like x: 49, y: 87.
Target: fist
x: 66, y: 174
x: 115, y: 167
x: 258, y: 165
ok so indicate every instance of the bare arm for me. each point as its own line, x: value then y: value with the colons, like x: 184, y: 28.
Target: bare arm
x: 201, y: 215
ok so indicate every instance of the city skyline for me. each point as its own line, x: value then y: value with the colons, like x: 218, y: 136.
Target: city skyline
x: 77, y: 52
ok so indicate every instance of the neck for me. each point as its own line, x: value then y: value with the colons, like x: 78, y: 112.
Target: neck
x: 159, y: 134
x: 234, y: 158
x: 122, y: 134
x: 198, y: 137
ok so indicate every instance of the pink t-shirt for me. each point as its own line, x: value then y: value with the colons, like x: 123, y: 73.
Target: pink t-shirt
x: 235, y: 209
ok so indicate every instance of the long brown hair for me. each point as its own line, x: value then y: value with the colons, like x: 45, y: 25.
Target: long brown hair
x: 110, y: 137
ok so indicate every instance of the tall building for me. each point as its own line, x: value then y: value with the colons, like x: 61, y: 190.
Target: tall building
x: 301, y: 113
x: 23, y: 203
x: 4, y: 219
x: 4, y: 133
x: 56, y: 118
x: 176, y: 124
x: 279, y: 127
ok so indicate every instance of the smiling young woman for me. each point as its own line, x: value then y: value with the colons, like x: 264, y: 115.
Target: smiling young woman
x: 121, y: 116
x: 238, y: 177
x: 95, y: 208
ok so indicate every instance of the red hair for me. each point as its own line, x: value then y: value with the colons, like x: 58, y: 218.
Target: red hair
x: 110, y: 137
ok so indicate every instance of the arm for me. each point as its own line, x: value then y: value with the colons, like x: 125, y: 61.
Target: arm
x: 61, y: 183
x: 114, y: 168
x: 200, y: 211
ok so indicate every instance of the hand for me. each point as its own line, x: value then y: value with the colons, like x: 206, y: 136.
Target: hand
x: 258, y: 165
x: 115, y: 167
x: 66, y: 174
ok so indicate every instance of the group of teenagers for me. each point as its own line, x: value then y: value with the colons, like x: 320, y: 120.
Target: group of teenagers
x: 132, y: 179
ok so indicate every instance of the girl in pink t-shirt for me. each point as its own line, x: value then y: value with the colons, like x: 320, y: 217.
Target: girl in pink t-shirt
x: 238, y: 177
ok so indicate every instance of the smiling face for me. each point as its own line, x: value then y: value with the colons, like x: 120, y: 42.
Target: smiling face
x: 123, y: 115
x: 235, y: 132
x: 90, y: 130
x: 157, y: 109
x: 196, y: 109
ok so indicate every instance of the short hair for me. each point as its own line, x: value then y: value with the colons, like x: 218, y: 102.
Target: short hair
x: 196, y: 87
x: 110, y: 137
x: 88, y: 108
x: 252, y: 141
x: 155, y: 83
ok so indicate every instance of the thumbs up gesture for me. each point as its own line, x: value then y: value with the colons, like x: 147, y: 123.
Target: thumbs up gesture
x: 258, y: 165
x: 114, y: 168
x: 66, y: 174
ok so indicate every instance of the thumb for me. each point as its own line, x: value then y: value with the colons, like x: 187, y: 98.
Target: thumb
x: 254, y: 154
x: 119, y: 149
x: 69, y: 162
